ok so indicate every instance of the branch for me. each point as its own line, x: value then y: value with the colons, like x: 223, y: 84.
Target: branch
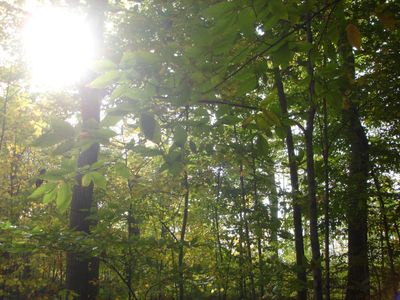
x: 170, y: 232
x: 112, y: 267
x: 257, y: 55
x: 216, y: 102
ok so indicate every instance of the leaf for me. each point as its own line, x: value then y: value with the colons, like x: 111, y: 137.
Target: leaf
x: 248, y: 84
x: 63, y: 147
x: 47, y: 139
x: 278, y: 8
x: 64, y: 195
x: 262, y: 123
x: 150, y: 127
x: 218, y: 9
x: 122, y: 170
x: 104, y: 65
x: 145, y: 151
x: 59, y: 131
x: 272, y: 117
x: 110, y: 120
x: 98, y: 179
x: 86, y: 180
x: 282, y: 55
x: 262, y: 145
x: 180, y: 136
x: 44, y: 188
x: 50, y: 196
x: 247, y: 121
x: 62, y: 128
x: 105, y: 79
x: 246, y: 20
x: 353, y: 35
x: 104, y: 133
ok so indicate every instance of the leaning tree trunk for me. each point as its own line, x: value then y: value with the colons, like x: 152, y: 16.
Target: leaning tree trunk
x: 83, y: 271
x: 294, y: 180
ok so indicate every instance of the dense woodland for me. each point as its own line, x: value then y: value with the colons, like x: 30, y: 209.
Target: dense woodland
x: 243, y: 149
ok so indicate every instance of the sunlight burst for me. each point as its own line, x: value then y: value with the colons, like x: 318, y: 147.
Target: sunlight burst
x: 59, y: 47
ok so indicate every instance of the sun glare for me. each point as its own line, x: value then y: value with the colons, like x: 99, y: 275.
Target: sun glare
x: 59, y: 47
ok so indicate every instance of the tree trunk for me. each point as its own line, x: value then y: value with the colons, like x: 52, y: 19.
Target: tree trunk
x: 181, y: 286
x: 325, y: 154
x: 83, y: 272
x: 182, y: 238
x: 357, y: 191
x: 312, y: 186
x: 298, y: 227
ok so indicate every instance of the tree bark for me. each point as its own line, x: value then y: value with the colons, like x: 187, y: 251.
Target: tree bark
x: 83, y: 271
x: 294, y: 180
x: 181, y: 282
x: 312, y: 186
x: 357, y: 190
x: 325, y: 154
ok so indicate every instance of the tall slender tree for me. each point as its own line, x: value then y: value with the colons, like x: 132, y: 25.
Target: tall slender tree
x: 83, y: 272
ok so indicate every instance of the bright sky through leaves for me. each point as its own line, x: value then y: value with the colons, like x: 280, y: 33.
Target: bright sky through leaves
x: 58, y: 46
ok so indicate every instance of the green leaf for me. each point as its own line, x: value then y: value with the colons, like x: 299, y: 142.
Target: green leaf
x: 59, y: 131
x: 104, y: 133
x: 47, y: 139
x: 63, y: 147
x: 282, y: 55
x: 50, y: 196
x: 64, y: 195
x: 180, y: 136
x: 175, y: 168
x: 105, y: 79
x: 150, y: 127
x: 122, y: 170
x: 145, y: 151
x: 248, y: 84
x: 111, y: 120
x: 104, y: 65
x: 272, y: 117
x: 262, y: 145
x: 99, y: 179
x: 87, y: 179
x: 40, y: 191
x: 246, y: 20
x: 62, y: 128
x: 218, y: 9
x: 278, y: 8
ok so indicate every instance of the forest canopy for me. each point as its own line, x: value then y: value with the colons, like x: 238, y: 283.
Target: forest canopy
x: 242, y: 149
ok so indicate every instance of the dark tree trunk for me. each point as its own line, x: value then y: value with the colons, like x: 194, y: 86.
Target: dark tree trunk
x: 181, y: 282
x: 312, y: 186
x: 182, y: 238
x: 83, y: 270
x: 298, y: 226
x: 357, y: 192
x: 325, y: 154
x: 247, y: 234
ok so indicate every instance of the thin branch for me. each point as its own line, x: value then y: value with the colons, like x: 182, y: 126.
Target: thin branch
x: 112, y: 267
x: 170, y: 232
x: 257, y: 55
x: 216, y: 102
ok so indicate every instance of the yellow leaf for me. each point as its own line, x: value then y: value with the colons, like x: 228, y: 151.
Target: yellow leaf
x: 353, y: 36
